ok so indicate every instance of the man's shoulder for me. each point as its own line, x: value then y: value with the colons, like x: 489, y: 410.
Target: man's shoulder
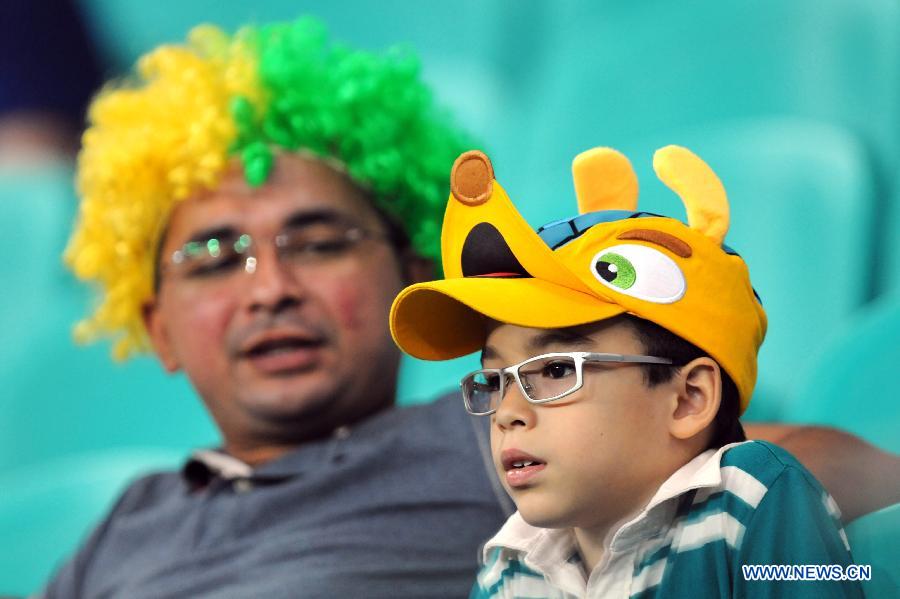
x: 149, y: 489
x: 445, y: 412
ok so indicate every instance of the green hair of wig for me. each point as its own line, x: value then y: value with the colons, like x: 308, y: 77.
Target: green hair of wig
x: 171, y: 129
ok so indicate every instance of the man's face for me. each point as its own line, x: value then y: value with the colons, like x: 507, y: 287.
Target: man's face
x: 301, y: 344
x: 595, y: 451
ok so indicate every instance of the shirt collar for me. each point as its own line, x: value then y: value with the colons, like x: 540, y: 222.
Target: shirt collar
x: 205, y: 464
x: 544, y: 547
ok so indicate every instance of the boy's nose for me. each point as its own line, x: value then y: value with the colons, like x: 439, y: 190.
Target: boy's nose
x: 514, y: 410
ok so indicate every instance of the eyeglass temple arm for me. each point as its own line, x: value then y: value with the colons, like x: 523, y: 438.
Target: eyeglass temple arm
x: 626, y: 358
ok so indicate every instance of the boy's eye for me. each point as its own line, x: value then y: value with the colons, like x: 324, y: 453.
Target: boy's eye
x: 486, y: 382
x: 558, y: 370
x: 641, y: 272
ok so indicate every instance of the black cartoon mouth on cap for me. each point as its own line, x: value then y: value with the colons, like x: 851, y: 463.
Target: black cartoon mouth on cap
x: 485, y: 253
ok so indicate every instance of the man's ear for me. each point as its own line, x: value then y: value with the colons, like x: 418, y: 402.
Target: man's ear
x: 699, y: 393
x: 159, y: 335
x: 417, y: 269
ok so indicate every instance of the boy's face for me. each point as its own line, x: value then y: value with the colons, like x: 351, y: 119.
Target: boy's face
x: 598, y: 450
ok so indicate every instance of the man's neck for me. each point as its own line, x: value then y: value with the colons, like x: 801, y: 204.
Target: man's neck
x: 258, y: 449
x: 257, y: 456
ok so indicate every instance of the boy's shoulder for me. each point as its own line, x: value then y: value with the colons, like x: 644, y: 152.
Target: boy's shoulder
x: 765, y: 463
x: 756, y: 471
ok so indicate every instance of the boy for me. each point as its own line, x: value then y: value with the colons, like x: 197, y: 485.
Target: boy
x: 618, y: 350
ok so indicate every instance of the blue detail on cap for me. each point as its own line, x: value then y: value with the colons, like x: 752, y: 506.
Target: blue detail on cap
x: 560, y: 232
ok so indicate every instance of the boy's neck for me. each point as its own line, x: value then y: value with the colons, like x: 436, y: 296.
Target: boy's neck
x: 593, y: 541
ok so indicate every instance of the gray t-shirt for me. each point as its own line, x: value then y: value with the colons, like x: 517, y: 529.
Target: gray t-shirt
x: 396, y: 507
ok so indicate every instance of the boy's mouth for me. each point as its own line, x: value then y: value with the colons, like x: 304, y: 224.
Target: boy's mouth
x: 520, y: 467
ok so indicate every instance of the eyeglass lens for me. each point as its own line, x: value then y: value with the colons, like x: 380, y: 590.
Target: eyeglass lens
x: 543, y: 378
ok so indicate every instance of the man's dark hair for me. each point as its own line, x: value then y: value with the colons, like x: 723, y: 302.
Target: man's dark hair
x: 658, y: 341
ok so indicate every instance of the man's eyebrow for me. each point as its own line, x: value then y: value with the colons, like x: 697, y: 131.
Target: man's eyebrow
x: 568, y: 338
x: 303, y: 218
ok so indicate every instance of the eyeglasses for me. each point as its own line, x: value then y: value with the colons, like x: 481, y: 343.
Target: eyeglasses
x: 542, y: 379
x: 219, y: 258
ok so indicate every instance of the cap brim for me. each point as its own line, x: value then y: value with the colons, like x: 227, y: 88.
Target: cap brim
x: 440, y: 320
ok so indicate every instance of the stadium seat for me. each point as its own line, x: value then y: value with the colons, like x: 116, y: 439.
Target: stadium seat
x: 59, y: 398
x: 852, y: 378
x: 874, y: 541
x: 614, y: 72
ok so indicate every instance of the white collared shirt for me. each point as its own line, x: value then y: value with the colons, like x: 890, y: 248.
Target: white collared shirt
x: 687, y: 541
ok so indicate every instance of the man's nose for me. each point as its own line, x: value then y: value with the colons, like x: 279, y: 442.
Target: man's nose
x: 514, y: 410
x: 271, y: 284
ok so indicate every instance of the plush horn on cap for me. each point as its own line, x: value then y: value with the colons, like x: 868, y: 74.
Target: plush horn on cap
x: 604, y: 180
x: 698, y: 187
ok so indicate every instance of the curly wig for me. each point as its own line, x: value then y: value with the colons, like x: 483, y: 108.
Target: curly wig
x: 170, y: 131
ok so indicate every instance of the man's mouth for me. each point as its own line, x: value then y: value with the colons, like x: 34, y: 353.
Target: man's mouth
x: 282, y: 353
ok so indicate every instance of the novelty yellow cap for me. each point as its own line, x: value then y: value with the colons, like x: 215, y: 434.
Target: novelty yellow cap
x: 608, y: 260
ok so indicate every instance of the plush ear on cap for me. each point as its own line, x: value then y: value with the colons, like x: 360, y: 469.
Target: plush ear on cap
x: 604, y: 180
x: 698, y: 187
x: 471, y: 178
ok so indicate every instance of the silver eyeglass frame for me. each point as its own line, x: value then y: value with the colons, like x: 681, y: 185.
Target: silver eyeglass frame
x: 579, y: 358
x: 246, y: 246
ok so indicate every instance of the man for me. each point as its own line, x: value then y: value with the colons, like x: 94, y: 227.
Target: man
x: 250, y: 209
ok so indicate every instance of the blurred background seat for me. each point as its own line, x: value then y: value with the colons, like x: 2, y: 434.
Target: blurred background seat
x: 852, y: 379
x: 873, y: 541
x: 617, y: 71
x: 59, y: 398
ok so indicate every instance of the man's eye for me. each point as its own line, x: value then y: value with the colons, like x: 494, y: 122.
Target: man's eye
x: 212, y: 267
x: 558, y: 370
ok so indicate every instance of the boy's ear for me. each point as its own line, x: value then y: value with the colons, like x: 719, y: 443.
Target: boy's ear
x: 699, y: 393
x: 159, y: 337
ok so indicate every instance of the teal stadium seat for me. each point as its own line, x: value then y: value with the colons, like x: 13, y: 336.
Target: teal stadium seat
x: 873, y: 541
x: 890, y: 246
x: 58, y: 398
x: 613, y: 72
x: 852, y: 380
x: 36, y: 208
x: 619, y: 71
x: 47, y: 509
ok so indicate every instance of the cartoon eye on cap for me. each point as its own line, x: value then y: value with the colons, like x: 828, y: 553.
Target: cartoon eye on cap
x: 639, y: 271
